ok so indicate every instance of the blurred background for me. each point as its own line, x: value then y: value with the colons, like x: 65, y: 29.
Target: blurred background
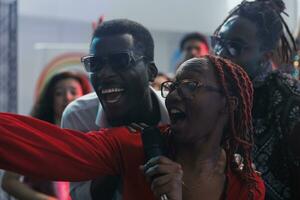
x: 52, y: 35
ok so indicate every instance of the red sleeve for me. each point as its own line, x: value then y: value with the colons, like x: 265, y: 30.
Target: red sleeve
x: 239, y: 190
x: 35, y: 148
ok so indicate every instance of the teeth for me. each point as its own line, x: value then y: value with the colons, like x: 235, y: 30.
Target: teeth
x: 175, y: 111
x: 112, y: 90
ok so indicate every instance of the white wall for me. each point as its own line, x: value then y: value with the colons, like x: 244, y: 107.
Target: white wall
x: 69, y: 21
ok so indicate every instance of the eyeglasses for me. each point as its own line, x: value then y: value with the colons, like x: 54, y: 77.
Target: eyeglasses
x: 185, y: 87
x: 234, y: 48
x: 118, y: 61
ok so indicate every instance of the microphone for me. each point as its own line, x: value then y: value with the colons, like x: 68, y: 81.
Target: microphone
x: 153, y: 146
x: 153, y: 142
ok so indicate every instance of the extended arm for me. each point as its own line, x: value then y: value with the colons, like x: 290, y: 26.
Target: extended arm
x: 39, y: 149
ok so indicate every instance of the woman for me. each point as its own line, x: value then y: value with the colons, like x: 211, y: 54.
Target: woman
x: 210, y: 108
x: 60, y: 90
x: 250, y: 36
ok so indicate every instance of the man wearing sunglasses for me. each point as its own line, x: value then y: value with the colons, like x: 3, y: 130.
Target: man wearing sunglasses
x: 250, y: 36
x: 120, y: 65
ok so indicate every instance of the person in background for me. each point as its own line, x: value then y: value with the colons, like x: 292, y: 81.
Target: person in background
x: 193, y: 45
x: 249, y: 36
x: 60, y: 90
x: 121, y: 67
x: 199, y: 158
x: 159, y: 79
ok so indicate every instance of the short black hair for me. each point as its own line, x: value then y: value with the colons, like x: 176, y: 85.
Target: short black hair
x: 143, y: 40
x: 193, y: 36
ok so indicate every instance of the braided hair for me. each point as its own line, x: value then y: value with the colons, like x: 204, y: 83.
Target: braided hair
x: 272, y: 29
x: 235, y: 82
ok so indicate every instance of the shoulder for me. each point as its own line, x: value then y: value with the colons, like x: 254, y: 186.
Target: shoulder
x: 86, y: 102
x: 81, y: 113
x: 240, y: 189
x: 284, y: 83
x: 285, y: 97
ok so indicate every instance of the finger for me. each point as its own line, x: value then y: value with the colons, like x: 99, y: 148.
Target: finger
x: 163, y: 180
x: 162, y: 169
x: 157, y: 160
x: 173, y: 185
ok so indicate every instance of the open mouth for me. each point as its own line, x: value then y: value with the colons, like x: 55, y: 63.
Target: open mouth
x: 112, y: 95
x: 176, y: 115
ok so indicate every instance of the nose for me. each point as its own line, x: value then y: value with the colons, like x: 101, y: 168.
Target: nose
x: 69, y: 96
x: 106, y: 73
x: 173, y: 98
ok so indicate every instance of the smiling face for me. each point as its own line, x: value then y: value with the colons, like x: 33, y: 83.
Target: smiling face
x: 122, y: 90
x: 65, y: 91
x: 195, y: 115
x: 243, y: 35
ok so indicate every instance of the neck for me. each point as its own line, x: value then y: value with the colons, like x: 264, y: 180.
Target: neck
x: 204, y: 160
x: 202, y: 154
x: 147, y: 111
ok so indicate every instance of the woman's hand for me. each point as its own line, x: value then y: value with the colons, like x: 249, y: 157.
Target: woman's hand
x: 165, y: 177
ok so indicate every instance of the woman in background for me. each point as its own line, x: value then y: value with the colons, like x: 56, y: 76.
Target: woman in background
x: 60, y: 90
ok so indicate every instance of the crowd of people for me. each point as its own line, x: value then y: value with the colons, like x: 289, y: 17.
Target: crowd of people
x: 228, y: 123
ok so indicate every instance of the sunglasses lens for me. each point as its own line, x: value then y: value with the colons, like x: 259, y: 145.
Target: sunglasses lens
x: 233, y: 49
x: 119, y: 60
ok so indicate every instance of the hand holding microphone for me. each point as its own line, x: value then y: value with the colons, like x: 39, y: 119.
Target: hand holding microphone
x: 164, y: 175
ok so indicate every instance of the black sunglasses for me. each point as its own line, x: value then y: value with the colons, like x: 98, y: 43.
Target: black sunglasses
x: 234, y: 48
x: 118, y: 61
x: 185, y: 88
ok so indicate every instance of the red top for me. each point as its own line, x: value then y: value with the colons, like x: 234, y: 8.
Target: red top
x: 36, y: 148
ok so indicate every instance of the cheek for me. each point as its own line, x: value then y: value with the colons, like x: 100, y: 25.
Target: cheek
x: 136, y: 80
x: 94, y: 82
x: 206, y: 111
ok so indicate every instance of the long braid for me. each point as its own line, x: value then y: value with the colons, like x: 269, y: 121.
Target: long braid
x: 272, y: 28
x: 235, y: 82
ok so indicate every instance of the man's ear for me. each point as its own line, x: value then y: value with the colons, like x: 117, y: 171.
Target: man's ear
x: 152, y: 71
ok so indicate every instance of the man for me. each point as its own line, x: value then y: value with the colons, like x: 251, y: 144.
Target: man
x: 249, y: 36
x: 121, y: 66
x: 193, y: 45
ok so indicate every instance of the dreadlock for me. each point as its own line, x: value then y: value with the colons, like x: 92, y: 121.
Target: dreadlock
x: 272, y: 29
x: 235, y: 82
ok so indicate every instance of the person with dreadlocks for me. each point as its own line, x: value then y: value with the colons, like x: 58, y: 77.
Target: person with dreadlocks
x: 210, y: 109
x: 253, y: 32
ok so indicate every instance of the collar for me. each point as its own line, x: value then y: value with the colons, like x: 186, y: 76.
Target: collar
x: 266, y: 69
x: 102, y: 122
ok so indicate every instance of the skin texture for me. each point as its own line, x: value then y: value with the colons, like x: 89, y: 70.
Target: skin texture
x: 194, y: 48
x: 65, y: 91
x: 190, y: 136
x: 242, y: 30
x: 252, y: 59
x: 136, y: 103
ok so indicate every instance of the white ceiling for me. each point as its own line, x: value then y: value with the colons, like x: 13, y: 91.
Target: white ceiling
x: 171, y: 15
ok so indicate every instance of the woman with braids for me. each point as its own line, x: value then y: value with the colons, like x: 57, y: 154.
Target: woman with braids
x: 250, y: 36
x: 208, y: 143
